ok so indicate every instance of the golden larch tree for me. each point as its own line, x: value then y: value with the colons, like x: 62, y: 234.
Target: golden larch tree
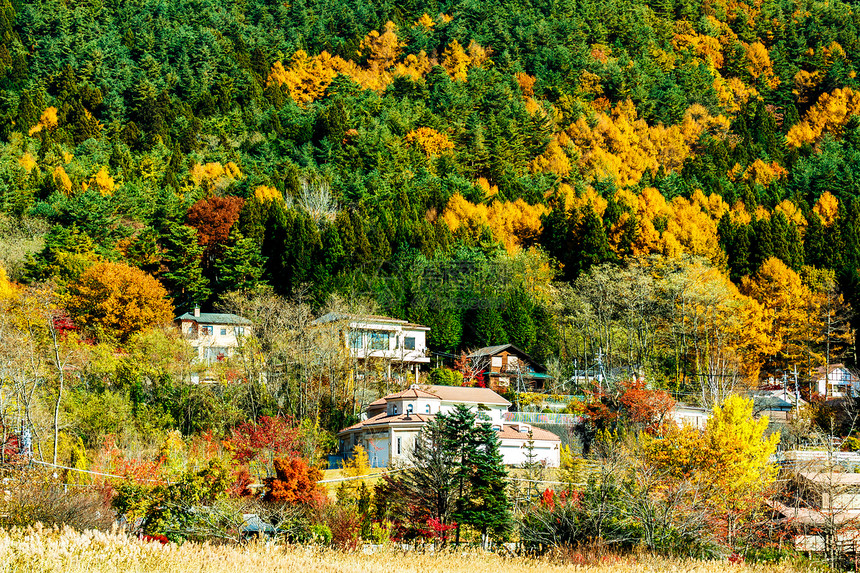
x: 115, y: 301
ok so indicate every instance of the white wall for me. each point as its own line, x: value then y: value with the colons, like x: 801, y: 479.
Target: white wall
x: 419, y: 406
x: 495, y: 412
x: 514, y: 454
x: 396, y: 347
x: 377, y: 447
x: 216, y: 341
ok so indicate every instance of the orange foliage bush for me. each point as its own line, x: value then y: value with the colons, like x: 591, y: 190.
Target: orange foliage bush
x: 117, y: 300
x: 295, y: 482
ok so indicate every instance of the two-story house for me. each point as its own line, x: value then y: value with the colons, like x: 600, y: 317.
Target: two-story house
x: 215, y: 336
x: 505, y: 366
x: 393, y: 423
x: 836, y: 381
x: 392, y: 340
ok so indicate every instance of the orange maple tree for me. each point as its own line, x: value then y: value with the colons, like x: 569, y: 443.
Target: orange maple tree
x: 116, y: 300
x: 294, y: 482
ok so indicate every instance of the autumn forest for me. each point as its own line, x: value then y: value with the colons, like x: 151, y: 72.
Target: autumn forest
x: 665, y: 189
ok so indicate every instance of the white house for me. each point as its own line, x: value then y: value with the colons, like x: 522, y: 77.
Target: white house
x: 391, y: 339
x: 836, y: 381
x: 215, y: 336
x: 395, y: 421
x: 694, y: 416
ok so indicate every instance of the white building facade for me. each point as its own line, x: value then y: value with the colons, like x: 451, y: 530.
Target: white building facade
x: 394, y: 422
x: 836, y: 381
x: 214, y: 336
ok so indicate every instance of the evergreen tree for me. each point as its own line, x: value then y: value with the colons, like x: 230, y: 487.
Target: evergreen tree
x: 184, y: 275
x: 518, y: 321
x: 488, y: 509
x: 532, y: 468
x: 241, y: 267
x: 592, y: 246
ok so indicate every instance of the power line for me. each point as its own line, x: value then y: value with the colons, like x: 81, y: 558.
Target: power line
x: 88, y: 471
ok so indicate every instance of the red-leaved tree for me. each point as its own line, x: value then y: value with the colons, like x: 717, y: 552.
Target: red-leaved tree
x: 213, y: 218
x: 651, y: 408
x: 294, y: 482
x: 255, y: 446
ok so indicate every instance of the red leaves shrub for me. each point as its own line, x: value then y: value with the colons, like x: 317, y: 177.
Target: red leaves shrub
x: 345, y: 526
x: 295, y: 482
x: 268, y: 438
x: 435, y: 530
x: 647, y: 407
x: 548, y: 499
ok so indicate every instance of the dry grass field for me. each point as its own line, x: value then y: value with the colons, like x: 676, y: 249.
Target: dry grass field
x: 38, y: 549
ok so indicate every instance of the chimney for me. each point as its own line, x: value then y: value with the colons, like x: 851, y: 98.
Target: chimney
x: 197, y: 311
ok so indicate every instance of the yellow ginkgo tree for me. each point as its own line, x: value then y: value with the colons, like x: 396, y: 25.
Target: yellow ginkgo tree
x: 729, y: 462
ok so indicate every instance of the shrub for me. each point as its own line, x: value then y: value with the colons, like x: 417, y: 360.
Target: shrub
x: 445, y: 377
x: 294, y: 482
x: 32, y: 496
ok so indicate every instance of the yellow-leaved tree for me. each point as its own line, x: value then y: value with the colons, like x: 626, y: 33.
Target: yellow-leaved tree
x: 115, y: 301
x: 729, y: 462
x: 354, y: 469
x: 429, y: 140
x: 829, y: 115
x: 791, y: 303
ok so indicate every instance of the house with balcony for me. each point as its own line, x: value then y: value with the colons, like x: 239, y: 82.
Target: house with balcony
x: 507, y: 367
x: 215, y: 336
x: 391, y: 340
x: 394, y: 422
x: 836, y: 381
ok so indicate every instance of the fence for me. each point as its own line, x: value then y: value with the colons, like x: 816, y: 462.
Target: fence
x: 543, y: 418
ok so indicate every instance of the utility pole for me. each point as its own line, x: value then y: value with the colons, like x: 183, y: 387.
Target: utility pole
x: 796, y: 393
x: 600, y: 373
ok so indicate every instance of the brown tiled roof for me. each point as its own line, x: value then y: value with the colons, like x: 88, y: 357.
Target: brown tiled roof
x: 384, y: 419
x: 467, y: 395
x: 510, y: 433
x: 411, y: 393
x: 813, y: 516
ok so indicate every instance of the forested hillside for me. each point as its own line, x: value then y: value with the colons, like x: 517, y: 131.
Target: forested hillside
x: 471, y: 166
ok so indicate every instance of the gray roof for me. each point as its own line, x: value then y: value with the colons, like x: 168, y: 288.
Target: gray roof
x: 771, y: 403
x: 491, y: 350
x: 214, y: 318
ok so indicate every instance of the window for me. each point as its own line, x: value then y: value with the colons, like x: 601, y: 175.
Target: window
x: 409, y: 343
x: 206, y: 330
x: 428, y: 408
x: 356, y: 340
x: 398, y: 446
x: 395, y: 409
x: 409, y: 409
x: 224, y: 331
x: 239, y: 330
x: 379, y: 340
x: 214, y: 354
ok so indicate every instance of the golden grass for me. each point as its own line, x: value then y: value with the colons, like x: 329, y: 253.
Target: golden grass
x: 38, y: 549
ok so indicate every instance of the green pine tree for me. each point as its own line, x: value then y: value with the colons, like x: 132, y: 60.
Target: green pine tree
x: 184, y: 276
